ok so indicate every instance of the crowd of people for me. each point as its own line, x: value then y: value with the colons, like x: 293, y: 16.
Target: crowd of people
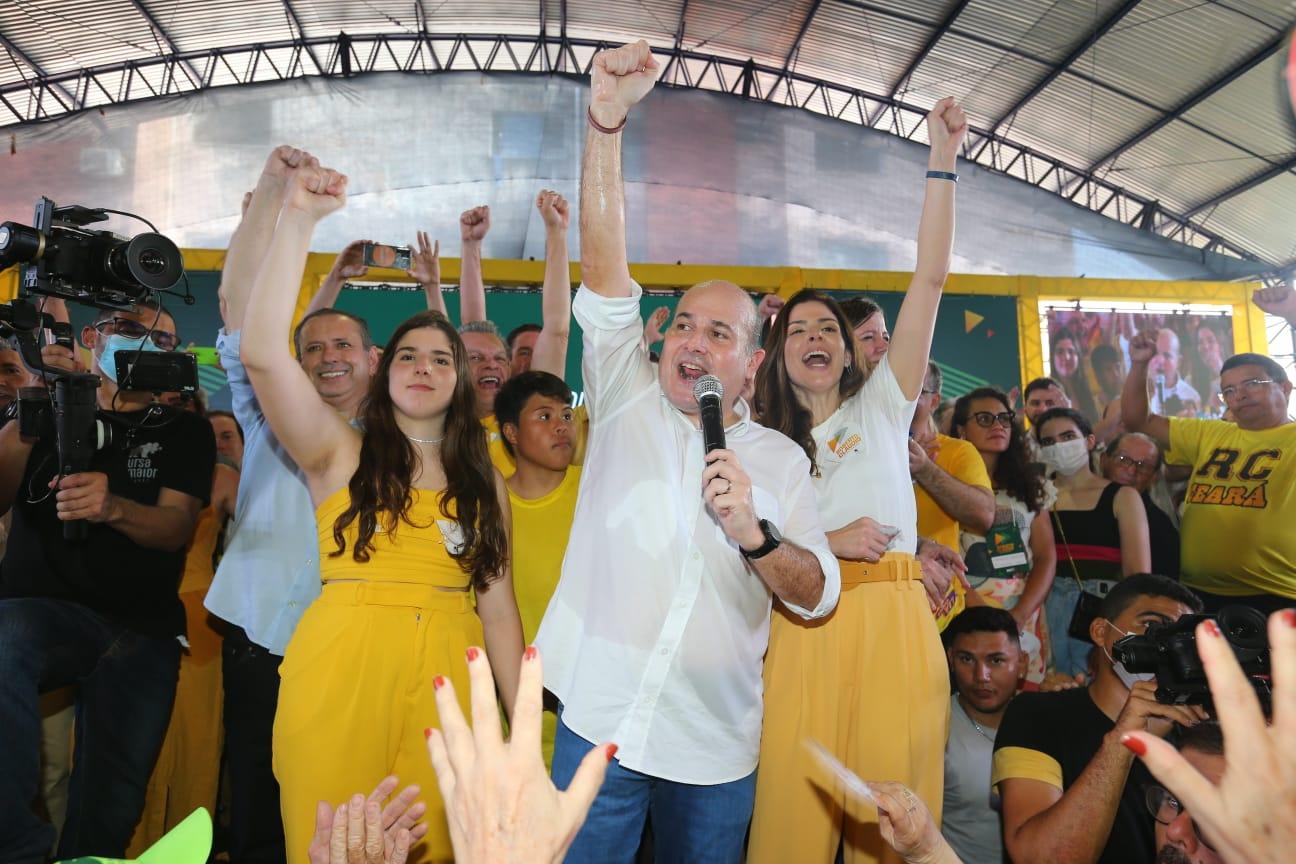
x: 315, y: 589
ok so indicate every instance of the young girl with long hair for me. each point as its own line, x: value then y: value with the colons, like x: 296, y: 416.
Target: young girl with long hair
x: 414, y: 545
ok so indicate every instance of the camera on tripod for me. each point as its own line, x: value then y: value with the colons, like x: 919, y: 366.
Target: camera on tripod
x: 1170, y: 652
x: 60, y: 257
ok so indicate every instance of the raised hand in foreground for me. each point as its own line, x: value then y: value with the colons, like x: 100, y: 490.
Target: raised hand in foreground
x: 362, y: 831
x: 1251, y: 814
x: 501, y: 804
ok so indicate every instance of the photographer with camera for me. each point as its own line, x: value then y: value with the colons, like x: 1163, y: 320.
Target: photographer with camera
x: 102, y: 613
x: 1243, y: 482
x: 1071, y: 792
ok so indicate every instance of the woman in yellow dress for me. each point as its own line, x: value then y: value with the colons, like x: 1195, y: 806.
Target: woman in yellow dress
x: 870, y: 681
x: 414, y: 545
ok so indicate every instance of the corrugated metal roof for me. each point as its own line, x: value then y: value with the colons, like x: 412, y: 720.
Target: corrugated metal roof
x: 1157, y: 55
x: 1182, y: 167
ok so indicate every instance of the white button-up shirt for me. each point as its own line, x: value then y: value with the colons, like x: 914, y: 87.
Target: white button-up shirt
x: 657, y: 631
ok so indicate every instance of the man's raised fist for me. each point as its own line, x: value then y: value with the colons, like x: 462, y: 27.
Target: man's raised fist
x: 553, y: 209
x: 283, y: 160
x: 1143, y: 347
x: 620, y: 78
x: 473, y: 224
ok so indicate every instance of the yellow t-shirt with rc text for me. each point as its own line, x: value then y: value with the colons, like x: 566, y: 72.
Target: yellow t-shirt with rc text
x: 1239, y: 516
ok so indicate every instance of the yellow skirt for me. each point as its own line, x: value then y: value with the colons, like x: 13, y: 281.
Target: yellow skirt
x: 870, y: 683
x: 356, y: 694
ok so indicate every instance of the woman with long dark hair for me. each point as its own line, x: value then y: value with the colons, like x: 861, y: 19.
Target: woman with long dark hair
x: 1013, y: 565
x: 870, y: 683
x: 414, y: 545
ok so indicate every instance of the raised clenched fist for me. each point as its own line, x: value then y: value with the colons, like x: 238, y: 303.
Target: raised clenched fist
x: 553, y: 209
x: 620, y: 77
x: 473, y: 224
x: 946, y: 129
x: 1279, y: 300
x: 1143, y: 347
x: 283, y: 160
x: 316, y: 191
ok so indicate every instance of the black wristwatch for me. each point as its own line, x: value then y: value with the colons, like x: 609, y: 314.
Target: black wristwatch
x: 772, y: 540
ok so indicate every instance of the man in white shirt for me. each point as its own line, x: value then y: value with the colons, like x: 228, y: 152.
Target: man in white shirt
x: 655, y: 636
x: 986, y: 661
x: 1172, y: 395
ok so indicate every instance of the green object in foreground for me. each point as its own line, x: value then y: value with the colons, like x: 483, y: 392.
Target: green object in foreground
x: 187, y: 843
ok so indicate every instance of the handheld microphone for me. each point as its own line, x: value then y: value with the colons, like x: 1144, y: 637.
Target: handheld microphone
x: 1160, y: 388
x: 709, y: 393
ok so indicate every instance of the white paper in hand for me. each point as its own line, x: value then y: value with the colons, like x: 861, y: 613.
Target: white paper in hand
x: 848, y: 778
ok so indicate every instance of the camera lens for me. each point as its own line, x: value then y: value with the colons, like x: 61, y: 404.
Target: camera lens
x: 19, y: 243
x: 1244, y: 628
x: 149, y: 260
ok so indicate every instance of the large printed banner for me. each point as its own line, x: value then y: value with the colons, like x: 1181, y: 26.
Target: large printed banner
x: 1088, y: 352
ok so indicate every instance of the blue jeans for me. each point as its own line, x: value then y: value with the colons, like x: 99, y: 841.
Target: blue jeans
x: 1070, y: 656
x: 698, y: 824
x: 126, y: 685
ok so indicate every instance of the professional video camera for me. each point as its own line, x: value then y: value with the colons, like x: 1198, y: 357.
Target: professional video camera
x: 1170, y: 652
x: 59, y: 257
x: 62, y: 258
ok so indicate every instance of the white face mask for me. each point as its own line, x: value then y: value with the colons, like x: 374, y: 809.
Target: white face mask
x: 1066, y: 457
x: 1126, y: 677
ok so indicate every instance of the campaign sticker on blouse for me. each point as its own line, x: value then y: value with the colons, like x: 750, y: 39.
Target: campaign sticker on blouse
x: 452, y: 534
x: 841, y: 443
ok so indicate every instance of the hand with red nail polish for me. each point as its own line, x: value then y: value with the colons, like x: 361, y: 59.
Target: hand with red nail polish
x: 500, y: 803
x: 1251, y: 814
x: 362, y: 830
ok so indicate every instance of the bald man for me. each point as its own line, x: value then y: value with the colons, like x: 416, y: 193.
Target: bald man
x: 1172, y: 395
x: 655, y: 637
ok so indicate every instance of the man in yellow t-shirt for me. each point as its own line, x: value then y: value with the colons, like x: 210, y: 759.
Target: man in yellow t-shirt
x: 951, y: 486
x: 539, y: 429
x: 1238, y: 545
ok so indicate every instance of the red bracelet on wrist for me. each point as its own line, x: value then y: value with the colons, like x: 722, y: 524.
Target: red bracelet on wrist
x: 606, y: 130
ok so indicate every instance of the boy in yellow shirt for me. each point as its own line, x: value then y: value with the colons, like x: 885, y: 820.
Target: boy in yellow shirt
x: 539, y: 428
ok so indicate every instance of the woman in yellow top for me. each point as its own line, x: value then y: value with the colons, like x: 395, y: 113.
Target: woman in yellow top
x: 413, y: 523
x: 870, y: 682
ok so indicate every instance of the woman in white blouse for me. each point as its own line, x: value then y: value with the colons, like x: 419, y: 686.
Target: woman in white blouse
x: 870, y: 682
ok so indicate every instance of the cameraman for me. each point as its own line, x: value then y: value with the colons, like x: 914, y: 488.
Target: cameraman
x: 102, y: 614
x: 1071, y: 792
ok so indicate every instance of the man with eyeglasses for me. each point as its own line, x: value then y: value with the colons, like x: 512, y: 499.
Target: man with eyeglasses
x: 1071, y: 792
x: 102, y: 613
x: 1134, y: 459
x: 1237, y: 544
x: 1178, y: 840
x: 951, y: 487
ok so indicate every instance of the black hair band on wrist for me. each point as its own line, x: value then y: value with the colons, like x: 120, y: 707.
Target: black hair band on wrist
x: 942, y: 175
x: 606, y: 130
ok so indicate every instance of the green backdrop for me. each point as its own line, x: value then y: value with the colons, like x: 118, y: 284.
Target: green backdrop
x: 975, y: 341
